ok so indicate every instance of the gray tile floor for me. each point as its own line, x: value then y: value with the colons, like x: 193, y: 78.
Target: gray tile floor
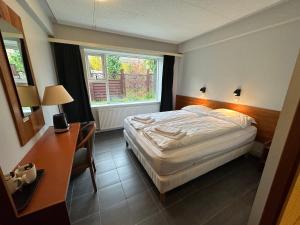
x: 126, y: 195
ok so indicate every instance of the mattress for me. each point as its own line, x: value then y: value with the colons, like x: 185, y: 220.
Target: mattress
x: 169, y: 182
x: 174, y: 160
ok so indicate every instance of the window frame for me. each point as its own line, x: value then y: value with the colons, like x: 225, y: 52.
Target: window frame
x: 103, y: 53
x: 102, y: 56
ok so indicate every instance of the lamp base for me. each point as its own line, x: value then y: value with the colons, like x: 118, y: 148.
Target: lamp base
x: 60, y: 123
x: 61, y: 130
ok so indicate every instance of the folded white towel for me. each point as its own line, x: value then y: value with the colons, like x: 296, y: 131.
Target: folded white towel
x: 171, y: 131
x: 144, y: 121
x: 141, y: 117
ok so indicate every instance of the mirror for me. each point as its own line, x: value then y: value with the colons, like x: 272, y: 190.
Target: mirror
x: 16, y: 54
x: 17, y: 77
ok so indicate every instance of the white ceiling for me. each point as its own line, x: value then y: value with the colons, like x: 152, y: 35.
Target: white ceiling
x: 172, y: 21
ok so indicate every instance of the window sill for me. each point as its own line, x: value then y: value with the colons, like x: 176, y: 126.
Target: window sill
x: 124, y: 104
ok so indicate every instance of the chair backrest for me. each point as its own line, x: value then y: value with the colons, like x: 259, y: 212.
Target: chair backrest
x: 87, y: 137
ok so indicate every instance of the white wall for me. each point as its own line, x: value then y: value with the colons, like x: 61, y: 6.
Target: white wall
x: 284, y: 124
x: 40, y: 53
x: 35, y: 9
x: 257, y: 54
x: 105, y: 38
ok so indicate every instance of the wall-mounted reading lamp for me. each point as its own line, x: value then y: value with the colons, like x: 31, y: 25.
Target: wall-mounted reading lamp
x: 237, y: 92
x: 203, y: 89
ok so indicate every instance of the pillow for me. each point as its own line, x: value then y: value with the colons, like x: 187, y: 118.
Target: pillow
x: 232, y: 116
x: 201, y: 110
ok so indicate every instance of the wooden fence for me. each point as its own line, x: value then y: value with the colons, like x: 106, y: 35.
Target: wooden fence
x: 127, y: 84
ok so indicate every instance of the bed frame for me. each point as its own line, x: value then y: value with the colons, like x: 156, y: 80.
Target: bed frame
x: 266, y: 123
x: 169, y: 182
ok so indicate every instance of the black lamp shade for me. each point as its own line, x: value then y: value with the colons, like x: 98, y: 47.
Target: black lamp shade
x: 237, y: 92
x: 203, y: 89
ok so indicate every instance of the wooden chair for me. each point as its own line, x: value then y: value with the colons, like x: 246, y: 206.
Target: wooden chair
x: 83, y: 158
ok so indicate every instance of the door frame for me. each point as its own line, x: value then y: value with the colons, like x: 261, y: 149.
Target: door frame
x: 285, y: 173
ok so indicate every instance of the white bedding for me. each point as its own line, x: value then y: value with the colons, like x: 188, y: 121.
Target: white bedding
x: 195, y: 130
x: 160, y: 117
x: 171, y: 161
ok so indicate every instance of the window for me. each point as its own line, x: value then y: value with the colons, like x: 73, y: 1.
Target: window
x: 14, y: 54
x: 114, y: 78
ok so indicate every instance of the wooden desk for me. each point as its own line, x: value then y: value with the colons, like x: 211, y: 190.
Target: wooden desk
x: 54, y: 153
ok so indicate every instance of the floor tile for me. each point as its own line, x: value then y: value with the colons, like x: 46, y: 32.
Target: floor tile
x: 133, y: 186
x: 174, y: 195
x: 81, y: 177
x: 102, y: 156
x: 82, y: 188
x: 110, y: 196
x: 69, y: 195
x: 179, y: 215
x: 197, y: 208
x: 141, y: 206
x: 119, y: 153
x: 119, y: 214
x: 148, y: 181
x: 236, y: 213
x: 90, y: 220
x: 249, y: 197
x: 126, y: 172
x: 109, y: 178
x: 122, y: 161
x: 239, y: 182
x: 104, y: 166
x: 156, y: 219
x: 84, y: 206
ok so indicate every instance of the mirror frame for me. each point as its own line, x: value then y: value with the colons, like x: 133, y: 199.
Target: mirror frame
x: 26, y: 127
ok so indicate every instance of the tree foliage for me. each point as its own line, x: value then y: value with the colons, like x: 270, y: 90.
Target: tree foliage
x: 113, y: 66
x: 95, y: 62
x: 15, y: 58
x: 139, y: 66
x: 151, y: 65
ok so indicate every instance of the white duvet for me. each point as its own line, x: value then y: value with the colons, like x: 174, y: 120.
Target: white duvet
x: 161, y: 117
x: 197, y: 129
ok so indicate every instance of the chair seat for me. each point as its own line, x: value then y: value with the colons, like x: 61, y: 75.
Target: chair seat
x: 81, y: 157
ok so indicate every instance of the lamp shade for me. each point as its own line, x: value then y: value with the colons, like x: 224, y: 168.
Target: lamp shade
x: 203, y: 89
x: 56, y: 95
x: 28, y: 96
x: 237, y: 92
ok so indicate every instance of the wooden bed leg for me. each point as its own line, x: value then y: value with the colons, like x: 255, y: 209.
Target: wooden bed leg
x: 162, y: 197
x: 127, y: 144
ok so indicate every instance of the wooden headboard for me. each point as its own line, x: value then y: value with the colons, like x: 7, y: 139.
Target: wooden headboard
x: 266, y: 119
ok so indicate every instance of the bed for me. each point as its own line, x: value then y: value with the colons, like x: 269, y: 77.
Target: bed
x: 163, y: 117
x: 177, y: 164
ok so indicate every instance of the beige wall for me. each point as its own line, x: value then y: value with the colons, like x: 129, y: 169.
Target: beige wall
x: 39, y: 49
x: 257, y: 54
x: 98, y: 37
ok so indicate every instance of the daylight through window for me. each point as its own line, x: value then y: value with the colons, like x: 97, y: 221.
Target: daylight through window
x: 115, y: 78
